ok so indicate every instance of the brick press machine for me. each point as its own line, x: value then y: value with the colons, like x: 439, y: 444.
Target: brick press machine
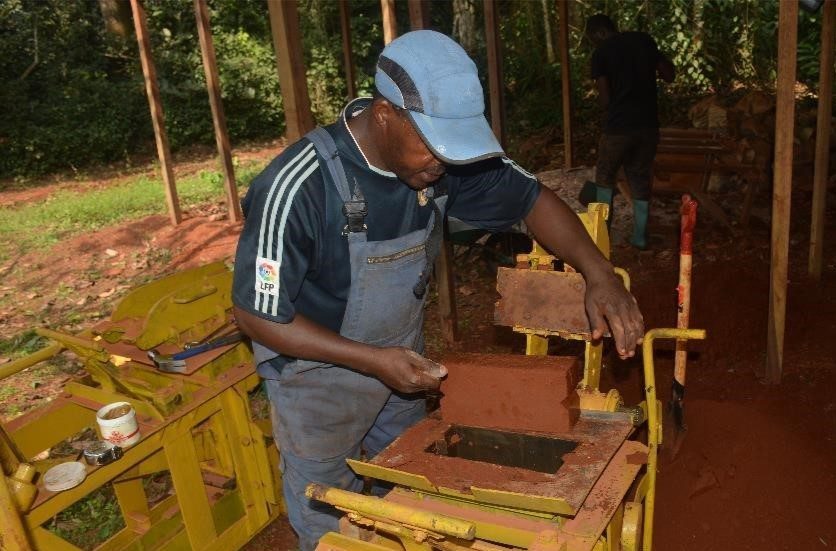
x: 524, y: 452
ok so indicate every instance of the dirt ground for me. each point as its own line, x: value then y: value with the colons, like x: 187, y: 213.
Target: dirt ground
x: 757, y: 466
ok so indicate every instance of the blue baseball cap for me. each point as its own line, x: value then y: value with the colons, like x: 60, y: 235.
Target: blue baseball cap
x: 431, y: 76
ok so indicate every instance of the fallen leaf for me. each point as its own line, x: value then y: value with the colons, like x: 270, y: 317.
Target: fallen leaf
x: 107, y: 293
x: 110, y: 252
x: 465, y: 290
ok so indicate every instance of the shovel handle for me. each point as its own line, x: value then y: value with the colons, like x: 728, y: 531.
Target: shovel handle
x: 688, y: 221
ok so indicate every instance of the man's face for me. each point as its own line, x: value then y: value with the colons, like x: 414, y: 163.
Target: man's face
x: 407, y: 155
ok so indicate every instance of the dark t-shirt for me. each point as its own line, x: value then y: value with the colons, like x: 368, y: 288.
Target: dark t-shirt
x: 629, y: 61
x: 292, y: 240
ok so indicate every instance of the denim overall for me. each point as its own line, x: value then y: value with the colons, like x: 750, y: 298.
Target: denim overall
x: 322, y: 413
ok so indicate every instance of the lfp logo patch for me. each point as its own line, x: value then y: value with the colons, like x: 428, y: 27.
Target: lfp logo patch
x: 267, y: 276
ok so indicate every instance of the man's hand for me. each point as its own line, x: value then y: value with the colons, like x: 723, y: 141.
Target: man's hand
x: 608, y: 301
x: 407, y: 371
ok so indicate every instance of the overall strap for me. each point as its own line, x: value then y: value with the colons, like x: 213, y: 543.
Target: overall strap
x: 354, y: 206
x: 433, y: 244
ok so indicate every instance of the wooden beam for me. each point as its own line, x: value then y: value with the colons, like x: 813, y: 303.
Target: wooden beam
x: 390, y: 24
x: 152, y: 89
x: 447, y: 290
x: 495, y: 84
x: 348, y: 57
x: 822, y: 159
x: 565, y: 80
x: 419, y: 14
x: 287, y: 43
x: 782, y: 187
x: 210, y: 69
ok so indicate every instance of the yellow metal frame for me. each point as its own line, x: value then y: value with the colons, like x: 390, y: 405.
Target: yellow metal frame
x: 198, y: 427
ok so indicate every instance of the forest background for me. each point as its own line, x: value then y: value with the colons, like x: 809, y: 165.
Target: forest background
x: 72, y: 94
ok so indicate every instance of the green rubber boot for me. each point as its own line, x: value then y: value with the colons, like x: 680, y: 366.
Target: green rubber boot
x: 640, y: 215
x: 587, y: 194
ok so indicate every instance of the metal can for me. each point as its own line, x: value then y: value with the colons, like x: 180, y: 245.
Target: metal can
x: 101, y: 453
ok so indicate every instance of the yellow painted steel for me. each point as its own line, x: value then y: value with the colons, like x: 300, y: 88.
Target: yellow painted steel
x: 377, y: 508
x: 654, y: 419
x: 631, y: 531
x: 198, y: 428
x: 535, y: 345
x: 536, y: 341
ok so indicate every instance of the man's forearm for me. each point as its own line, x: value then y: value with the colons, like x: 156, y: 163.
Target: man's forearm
x: 559, y: 230
x: 304, y: 339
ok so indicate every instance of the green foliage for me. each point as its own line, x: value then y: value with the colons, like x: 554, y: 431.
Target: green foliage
x: 91, y: 520
x: 73, y: 106
x: 68, y: 213
x: 84, y: 101
x: 24, y: 344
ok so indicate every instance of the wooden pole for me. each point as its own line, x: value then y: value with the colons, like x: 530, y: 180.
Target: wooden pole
x: 287, y: 43
x: 494, y: 47
x: 348, y: 57
x: 149, y: 73
x: 566, y: 81
x: 210, y: 68
x: 447, y: 290
x: 419, y: 14
x: 390, y: 25
x: 782, y: 186
x: 822, y: 160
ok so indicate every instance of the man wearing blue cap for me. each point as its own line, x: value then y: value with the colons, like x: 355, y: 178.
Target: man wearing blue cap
x: 338, y: 245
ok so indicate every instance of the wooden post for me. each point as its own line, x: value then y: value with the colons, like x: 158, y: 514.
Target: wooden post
x: 446, y: 290
x: 495, y: 84
x: 287, y: 42
x: 210, y: 68
x: 782, y: 186
x: 390, y: 25
x: 149, y: 73
x: 419, y: 14
x: 565, y: 80
x: 348, y: 57
x: 822, y: 161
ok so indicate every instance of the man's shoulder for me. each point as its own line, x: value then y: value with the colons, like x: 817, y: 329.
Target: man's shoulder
x: 636, y: 39
x: 292, y: 173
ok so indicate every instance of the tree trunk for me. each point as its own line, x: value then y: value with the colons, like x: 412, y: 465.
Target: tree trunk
x: 464, y: 24
x: 547, y: 26
x: 117, y: 17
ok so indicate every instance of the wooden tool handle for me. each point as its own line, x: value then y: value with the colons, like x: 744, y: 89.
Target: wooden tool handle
x: 688, y: 221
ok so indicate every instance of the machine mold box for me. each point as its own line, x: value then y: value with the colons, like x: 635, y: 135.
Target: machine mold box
x: 522, y: 444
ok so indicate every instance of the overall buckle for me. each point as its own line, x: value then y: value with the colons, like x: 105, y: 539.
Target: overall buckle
x: 355, y: 215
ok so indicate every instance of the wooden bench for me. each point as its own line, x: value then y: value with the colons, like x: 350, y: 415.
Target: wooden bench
x: 687, y: 158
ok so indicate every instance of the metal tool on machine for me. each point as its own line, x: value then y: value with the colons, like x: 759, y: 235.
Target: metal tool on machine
x: 543, y: 462
x: 176, y: 363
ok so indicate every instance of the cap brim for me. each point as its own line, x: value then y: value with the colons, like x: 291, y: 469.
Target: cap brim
x: 457, y: 141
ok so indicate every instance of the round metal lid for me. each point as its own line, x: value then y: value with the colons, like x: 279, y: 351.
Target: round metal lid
x: 65, y: 476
